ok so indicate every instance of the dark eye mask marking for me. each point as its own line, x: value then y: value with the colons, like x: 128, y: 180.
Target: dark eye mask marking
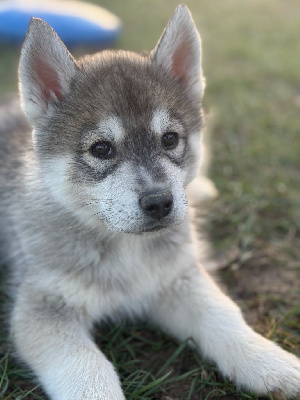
x: 93, y: 173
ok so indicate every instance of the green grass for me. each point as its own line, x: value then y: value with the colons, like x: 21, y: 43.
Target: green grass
x: 150, y: 364
x: 251, y: 63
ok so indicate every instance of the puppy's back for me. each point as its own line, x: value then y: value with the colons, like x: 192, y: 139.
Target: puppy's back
x: 15, y: 136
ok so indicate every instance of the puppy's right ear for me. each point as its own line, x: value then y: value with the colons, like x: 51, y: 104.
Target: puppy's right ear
x: 45, y: 72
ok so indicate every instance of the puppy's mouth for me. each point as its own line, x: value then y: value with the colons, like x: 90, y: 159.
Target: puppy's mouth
x: 153, y: 229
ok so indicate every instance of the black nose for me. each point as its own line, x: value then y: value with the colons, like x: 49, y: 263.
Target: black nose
x: 157, y: 204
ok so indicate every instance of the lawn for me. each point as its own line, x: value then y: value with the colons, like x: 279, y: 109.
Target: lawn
x: 251, y: 63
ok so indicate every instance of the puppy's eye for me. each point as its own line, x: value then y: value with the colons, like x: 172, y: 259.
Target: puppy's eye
x: 104, y: 150
x: 169, y: 140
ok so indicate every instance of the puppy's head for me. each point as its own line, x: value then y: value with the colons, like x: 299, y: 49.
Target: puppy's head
x: 117, y: 135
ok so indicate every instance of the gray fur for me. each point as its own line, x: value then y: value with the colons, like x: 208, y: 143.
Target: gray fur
x: 79, y: 245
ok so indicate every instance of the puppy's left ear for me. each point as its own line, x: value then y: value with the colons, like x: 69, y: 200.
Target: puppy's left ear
x: 179, y: 51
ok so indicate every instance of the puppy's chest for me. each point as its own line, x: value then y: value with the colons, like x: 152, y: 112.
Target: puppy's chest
x: 122, y: 280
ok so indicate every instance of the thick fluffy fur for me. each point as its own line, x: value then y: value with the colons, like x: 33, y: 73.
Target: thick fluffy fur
x: 81, y: 246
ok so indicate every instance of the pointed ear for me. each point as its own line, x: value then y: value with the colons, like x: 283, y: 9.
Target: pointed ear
x: 45, y: 72
x: 179, y: 51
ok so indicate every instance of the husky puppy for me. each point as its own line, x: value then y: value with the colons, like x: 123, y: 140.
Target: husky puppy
x: 94, y: 215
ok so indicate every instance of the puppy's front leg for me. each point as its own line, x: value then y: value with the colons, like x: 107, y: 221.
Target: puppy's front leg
x: 194, y: 306
x: 54, y: 340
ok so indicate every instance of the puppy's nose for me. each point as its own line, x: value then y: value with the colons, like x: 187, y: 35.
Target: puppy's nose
x: 157, y: 204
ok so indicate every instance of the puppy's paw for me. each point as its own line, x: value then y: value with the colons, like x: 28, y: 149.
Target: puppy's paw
x: 266, y: 368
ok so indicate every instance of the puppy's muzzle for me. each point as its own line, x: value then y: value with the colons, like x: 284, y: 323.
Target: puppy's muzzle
x: 156, y: 204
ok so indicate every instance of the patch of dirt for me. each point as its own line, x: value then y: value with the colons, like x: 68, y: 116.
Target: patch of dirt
x: 268, y: 292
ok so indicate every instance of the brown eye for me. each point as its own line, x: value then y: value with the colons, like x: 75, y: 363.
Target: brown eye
x: 170, y: 140
x: 104, y: 150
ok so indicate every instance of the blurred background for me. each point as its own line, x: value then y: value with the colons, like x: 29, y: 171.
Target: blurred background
x: 251, y: 61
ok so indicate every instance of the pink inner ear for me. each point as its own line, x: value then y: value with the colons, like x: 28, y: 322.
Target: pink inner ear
x: 179, y: 67
x: 49, y: 78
